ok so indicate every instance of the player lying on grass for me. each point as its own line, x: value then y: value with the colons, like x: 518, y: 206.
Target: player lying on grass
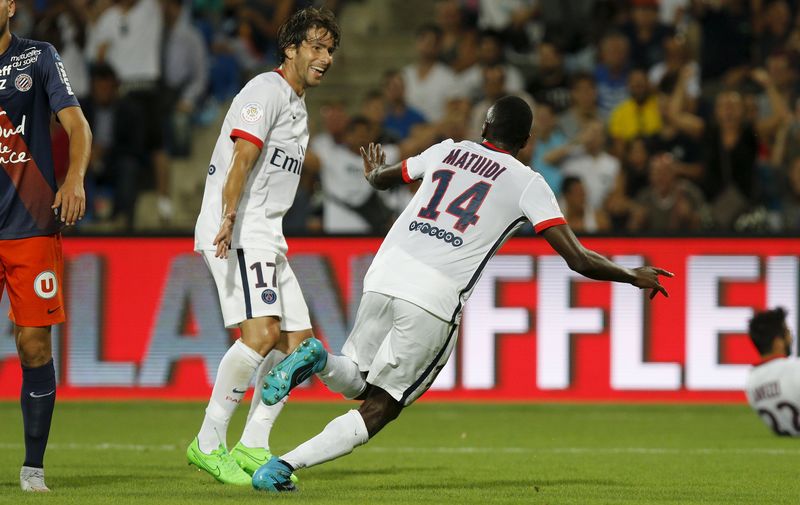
x: 472, y: 198
x: 773, y: 386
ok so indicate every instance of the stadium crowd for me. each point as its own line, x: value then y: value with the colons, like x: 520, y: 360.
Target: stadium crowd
x: 671, y: 116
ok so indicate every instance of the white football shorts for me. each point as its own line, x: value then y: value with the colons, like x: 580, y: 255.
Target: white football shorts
x: 401, y: 346
x: 256, y: 283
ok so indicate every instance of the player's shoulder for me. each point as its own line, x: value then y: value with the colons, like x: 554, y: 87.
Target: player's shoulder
x: 271, y: 83
x: 34, y: 47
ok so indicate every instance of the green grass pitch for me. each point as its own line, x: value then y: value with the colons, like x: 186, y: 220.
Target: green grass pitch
x: 120, y: 453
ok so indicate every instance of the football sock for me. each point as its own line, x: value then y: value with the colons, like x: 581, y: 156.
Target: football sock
x: 38, y: 398
x: 339, y: 438
x: 262, y: 416
x: 341, y: 375
x: 233, y: 379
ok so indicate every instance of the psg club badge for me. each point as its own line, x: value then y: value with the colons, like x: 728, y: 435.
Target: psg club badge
x: 23, y: 82
x: 269, y: 296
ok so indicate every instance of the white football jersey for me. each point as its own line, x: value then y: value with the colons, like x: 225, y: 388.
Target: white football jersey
x: 773, y: 390
x: 268, y: 113
x: 471, y: 200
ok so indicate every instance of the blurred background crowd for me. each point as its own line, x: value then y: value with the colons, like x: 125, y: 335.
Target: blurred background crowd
x: 663, y: 117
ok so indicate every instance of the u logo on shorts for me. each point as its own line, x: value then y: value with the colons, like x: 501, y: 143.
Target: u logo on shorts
x: 46, y: 285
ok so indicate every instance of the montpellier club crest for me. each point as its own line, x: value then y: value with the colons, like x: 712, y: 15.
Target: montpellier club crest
x: 23, y: 82
x: 46, y: 285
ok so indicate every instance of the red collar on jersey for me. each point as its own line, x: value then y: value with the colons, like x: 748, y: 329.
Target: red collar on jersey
x: 280, y: 72
x: 771, y: 358
x: 493, y: 147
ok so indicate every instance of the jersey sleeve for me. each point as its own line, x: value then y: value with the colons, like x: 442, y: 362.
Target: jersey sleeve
x: 56, y: 82
x: 539, y: 205
x: 414, y: 168
x: 255, y: 112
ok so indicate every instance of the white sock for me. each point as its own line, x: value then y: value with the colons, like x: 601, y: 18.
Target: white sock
x: 339, y: 438
x: 341, y: 375
x: 262, y: 416
x: 233, y: 379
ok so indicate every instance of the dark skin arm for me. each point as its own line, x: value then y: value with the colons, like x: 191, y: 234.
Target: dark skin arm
x: 595, y: 266
x: 379, y: 175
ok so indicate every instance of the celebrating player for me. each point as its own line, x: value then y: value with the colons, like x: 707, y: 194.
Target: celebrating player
x: 251, y: 183
x: 32, y: 84
x: 773, y: 386
x: 472, y: 199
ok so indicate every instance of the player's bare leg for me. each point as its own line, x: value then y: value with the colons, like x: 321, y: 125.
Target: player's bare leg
x: 37, y: 400
x: 338, y: 439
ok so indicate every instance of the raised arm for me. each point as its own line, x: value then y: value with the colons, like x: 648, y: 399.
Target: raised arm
x: 595, y: 266
x: 378, y: 174
x: 245, y: 154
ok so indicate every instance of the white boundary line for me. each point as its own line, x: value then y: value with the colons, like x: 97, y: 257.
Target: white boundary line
x: 109, y: 446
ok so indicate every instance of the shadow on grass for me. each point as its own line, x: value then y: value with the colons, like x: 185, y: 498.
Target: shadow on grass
x: 342, y: 474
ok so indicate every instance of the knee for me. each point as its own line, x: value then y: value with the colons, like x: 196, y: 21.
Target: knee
x: 33, y: 352
x: 261, y: 336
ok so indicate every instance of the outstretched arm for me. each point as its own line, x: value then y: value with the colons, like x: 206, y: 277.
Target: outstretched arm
x: 378, y: 174
x: 595, y: 266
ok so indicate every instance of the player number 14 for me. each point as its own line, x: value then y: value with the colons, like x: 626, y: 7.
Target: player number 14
x: 465, y: 206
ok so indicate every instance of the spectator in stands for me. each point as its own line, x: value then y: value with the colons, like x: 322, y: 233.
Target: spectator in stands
x: 776, y: 25
x: 583, y: 95
x: 581, y: 217
x: 374, y: 108
x: 790, y: 201
x: 677, y: 59
x: 646, y: 34
x: 549, y: 83
x: 546, y: 137
x: 257, y: 23
x: 349, y: 205
x: 64, y: 25
x: 128, y: 36
x: 589, y: 160
x: 783, y: 75
x: 509, y: 18
x: 669, y: 204
x: 491, y: 52
x: 787, y: 139
x: 632, y: 179
x: 726, y: 36
x: 185, y: 70
x: 118, y: 159
x: 637, y: 116
x: 400, y: 118
x: 459, y: 40
x: 495, y: 86
x: 429, y: 83
x: 681, y: 130
x: 611, y: 73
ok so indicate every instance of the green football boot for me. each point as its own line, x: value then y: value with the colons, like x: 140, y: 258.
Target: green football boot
x: 219, y: 464
x: 251, y: 459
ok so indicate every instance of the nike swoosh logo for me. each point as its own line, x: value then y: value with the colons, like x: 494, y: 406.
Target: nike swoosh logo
x: 212, y: 469
x: 23, y: 68
x: 35, y: 395
x: 55, y: 309
x: 239, y: 392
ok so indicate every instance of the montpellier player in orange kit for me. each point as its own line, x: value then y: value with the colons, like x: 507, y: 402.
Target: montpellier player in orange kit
x: 34, y: 84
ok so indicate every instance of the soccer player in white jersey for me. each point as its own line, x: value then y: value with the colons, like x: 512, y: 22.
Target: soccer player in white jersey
x: 252, y: 180
x: 773, y: 386
x: 472, y: 198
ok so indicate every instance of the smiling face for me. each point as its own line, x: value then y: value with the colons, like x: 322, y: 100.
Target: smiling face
x: 7, y: 9
x: 312, y: 58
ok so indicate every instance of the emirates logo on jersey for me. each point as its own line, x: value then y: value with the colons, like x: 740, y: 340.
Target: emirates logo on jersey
x: 23, y: 82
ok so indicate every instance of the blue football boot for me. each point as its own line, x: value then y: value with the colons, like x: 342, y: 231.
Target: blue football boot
x: 274, y: 476
x: 309, y: 358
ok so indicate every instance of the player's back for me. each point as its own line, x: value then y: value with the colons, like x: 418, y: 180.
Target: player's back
x: 773, y: 391
x: 471, y: 200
